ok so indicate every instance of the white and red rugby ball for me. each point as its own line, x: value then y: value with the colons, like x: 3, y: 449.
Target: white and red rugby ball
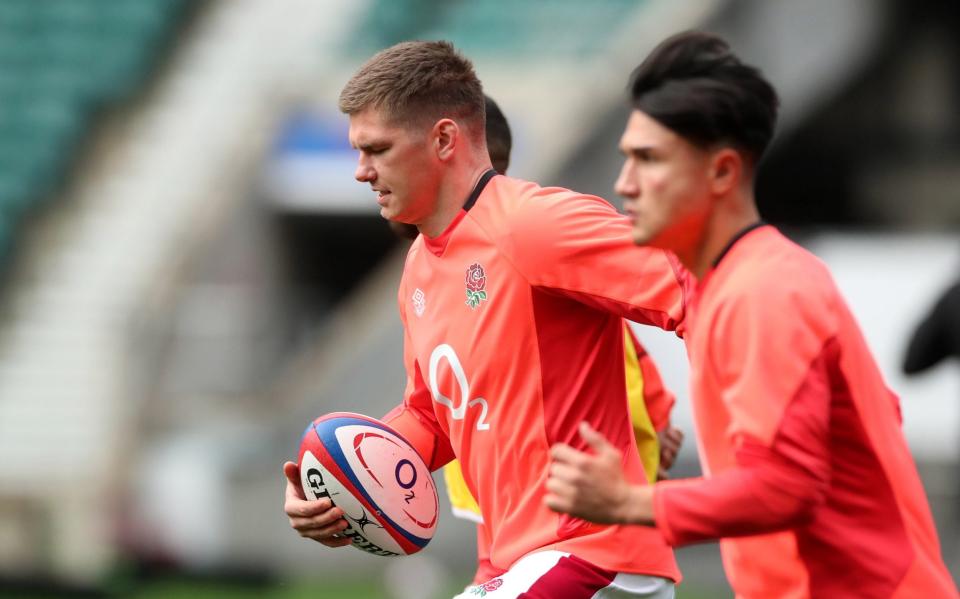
x: 378, y: 479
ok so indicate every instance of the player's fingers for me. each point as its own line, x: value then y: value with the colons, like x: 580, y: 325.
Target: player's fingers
x: 336, y: 541
x: 565, y: 472
x: 302, y: 508
x: 557, y: 503
x: 293, y: 495
x: 662, y: 474
x: 563, y: 453
x: 667, y: 454
x: 594, y: 439
x: 292, y: 474
x: 675, y: 436
x: 325, y: 532
x: 561, y: 488
x: 315, y: 522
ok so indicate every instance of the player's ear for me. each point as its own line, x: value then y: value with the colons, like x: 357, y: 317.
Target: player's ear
x: 726, y: 170
x: 445, y: 136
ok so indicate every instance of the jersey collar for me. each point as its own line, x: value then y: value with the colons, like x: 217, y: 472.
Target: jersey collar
x: 437, y: 244
x: 478, y: 189
x: 733, y: 240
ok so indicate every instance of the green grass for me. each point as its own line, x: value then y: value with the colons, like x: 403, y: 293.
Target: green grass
x: 179, y: 587
x: 685, y: 591
x: 193, y: 590
x: 313, y: 590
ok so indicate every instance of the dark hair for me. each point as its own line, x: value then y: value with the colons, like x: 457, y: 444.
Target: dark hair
x: 415, y: 81
x: 693, y: 84
x: 499, y: 140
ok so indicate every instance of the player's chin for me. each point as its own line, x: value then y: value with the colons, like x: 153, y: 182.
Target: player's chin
x: 641, y: 235
x: 393, y: 214
x: 652, y: 236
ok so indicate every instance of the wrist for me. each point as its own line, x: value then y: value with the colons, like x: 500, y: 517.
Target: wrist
x: 638, y: 507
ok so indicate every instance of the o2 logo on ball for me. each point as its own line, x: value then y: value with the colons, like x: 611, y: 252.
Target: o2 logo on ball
x: 413, y: 478
x: 406, y: 474
x: 379, y: 453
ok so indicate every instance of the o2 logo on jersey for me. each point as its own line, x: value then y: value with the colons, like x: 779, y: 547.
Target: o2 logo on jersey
x: 458, y: 412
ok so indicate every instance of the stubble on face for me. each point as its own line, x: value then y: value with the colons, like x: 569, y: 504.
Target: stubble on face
x: 395, y: 156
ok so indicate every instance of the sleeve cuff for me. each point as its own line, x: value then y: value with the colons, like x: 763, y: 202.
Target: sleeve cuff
x: 660, y: 517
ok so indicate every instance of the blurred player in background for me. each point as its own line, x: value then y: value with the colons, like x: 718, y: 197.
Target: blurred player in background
x: 935, y: 339
x: 937, y: 336
x: 650, y: 401
x: 796, y: 427
x: 512, y: 299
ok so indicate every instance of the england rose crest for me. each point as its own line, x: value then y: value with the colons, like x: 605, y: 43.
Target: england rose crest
x: 476, y: 285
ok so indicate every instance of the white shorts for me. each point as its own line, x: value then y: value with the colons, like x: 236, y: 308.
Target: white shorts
x: 559, y: 575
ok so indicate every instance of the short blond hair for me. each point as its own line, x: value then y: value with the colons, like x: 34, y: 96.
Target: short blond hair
x: 416, y: 82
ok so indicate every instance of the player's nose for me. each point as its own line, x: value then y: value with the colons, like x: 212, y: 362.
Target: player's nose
x: 365, y: 173
x: 626, y: 185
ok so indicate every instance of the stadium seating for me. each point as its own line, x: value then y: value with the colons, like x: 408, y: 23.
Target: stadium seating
x: 505, y: 29
x: 60, y: 62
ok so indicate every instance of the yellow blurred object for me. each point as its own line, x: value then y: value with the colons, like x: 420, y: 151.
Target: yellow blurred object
x: 647, y: 443
x: 462, y: 501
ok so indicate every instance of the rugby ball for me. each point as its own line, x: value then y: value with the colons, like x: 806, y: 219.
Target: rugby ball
x: 368, y: 470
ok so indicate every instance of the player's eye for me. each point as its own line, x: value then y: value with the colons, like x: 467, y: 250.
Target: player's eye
x: 373, y: 150
x: 643, y: 155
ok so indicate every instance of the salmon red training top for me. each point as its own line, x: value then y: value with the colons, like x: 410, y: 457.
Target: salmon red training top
x: 797, y: 430
x: 514, y: 336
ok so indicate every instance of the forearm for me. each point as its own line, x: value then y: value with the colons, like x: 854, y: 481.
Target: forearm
x: 766, y: 496
x: 773, y: 484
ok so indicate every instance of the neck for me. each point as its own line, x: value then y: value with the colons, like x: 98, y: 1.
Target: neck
x: 732, y: 215
x: 452, y: 194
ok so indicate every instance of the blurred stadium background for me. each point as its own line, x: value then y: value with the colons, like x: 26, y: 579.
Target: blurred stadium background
x: 190, y: 274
